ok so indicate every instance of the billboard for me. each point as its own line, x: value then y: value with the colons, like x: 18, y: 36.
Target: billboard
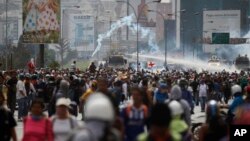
x: 220, y: 21
x: 41, y: 21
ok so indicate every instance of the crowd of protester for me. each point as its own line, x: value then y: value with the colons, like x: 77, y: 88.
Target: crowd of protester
x: 121, y: 104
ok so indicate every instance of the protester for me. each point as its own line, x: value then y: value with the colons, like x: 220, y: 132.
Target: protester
x: 160, y: 119
x: 30, y: 90
x: 63, y: 122
x: 203, y: 94
x: 7, y: 122
x: 85, y: 96
x: 92, y: 68
x: 99, y: 116
x: 37, y: 127
x: 186, y: 94
x: 237, y: 101
x: 161, y: 94
x: 176, y: 94
x: 11, y: 84
x: 134, y: 116
x: 215, y: 128
x: 178, y: 127
x: 21, y: 98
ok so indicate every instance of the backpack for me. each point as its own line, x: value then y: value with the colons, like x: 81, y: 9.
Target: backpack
x: 76, y: 131
x: 72, y: 126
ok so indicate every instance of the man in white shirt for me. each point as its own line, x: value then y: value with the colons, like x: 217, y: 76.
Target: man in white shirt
x: 203, y: 91
x: 21, y: 98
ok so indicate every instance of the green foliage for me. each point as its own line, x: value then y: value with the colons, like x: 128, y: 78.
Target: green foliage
x: 49, y: 56
x: 54, y: 65
x: 71, y: 54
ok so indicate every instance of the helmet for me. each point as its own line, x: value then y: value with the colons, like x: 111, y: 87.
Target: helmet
x: 176, y: 108
x: 236, y: 89
x: 99, y: 107
x: 21, y: 76
x: 212, y: 109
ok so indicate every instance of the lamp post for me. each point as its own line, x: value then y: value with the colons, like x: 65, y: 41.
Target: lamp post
x: 6, y: 32
x: 195, y: 14
x: 137, y: 25
x: 165, y: 40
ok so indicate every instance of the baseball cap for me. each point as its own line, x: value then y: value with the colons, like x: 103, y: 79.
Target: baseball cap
x: 63, y: 102
x: 163, y: 86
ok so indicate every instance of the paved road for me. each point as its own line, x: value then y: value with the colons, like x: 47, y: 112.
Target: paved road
x: 197, y: 117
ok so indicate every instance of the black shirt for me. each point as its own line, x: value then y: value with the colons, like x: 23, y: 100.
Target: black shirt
x: 7, y: 122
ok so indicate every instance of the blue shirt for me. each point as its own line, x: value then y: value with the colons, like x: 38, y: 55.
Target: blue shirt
x: 134, y: 121
x: 236, y: 103
x: 160, y: 97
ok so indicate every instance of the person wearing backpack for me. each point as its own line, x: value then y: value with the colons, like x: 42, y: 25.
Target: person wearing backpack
x: 187, y: 95
x: 63, y: 122
x: 37, y: 127
x: 134, y: 116
x: 60, y: 91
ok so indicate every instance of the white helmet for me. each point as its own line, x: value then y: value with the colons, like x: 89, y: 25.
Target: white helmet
x: 99, y: 107
x: 236, y: 89
x: 176, y: 108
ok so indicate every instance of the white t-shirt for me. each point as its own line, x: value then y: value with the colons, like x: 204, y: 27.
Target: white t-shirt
x: 20, y: 87
x: 62, y: 127
x: 203, y: 90
x: 125, y: 89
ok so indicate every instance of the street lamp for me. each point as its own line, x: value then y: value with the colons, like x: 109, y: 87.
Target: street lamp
x: 165, y: 40
x: 137, y: 25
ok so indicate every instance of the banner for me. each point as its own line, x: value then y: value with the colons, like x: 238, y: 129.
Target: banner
x: 41, y: 21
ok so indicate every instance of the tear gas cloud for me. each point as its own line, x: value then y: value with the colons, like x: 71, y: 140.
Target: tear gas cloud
x: 128, y: 21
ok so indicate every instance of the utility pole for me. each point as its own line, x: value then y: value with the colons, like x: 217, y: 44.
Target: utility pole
x: 6, y: 33
x: 110, y: 22
x: 127, y: 15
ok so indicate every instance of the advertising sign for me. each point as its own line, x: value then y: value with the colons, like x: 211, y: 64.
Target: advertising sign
x: 41, y: 21
x: 218, y: 22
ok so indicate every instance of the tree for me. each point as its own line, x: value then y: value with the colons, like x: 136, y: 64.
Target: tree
x: 63, y: 46
x: 54, y: 65
x: 50, y: 56
x: 71, y: 54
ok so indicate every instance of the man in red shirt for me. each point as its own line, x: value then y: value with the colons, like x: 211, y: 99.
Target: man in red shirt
x: 31, y: 66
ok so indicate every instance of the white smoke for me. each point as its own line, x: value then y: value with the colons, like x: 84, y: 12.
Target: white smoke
x: 128, y: 21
